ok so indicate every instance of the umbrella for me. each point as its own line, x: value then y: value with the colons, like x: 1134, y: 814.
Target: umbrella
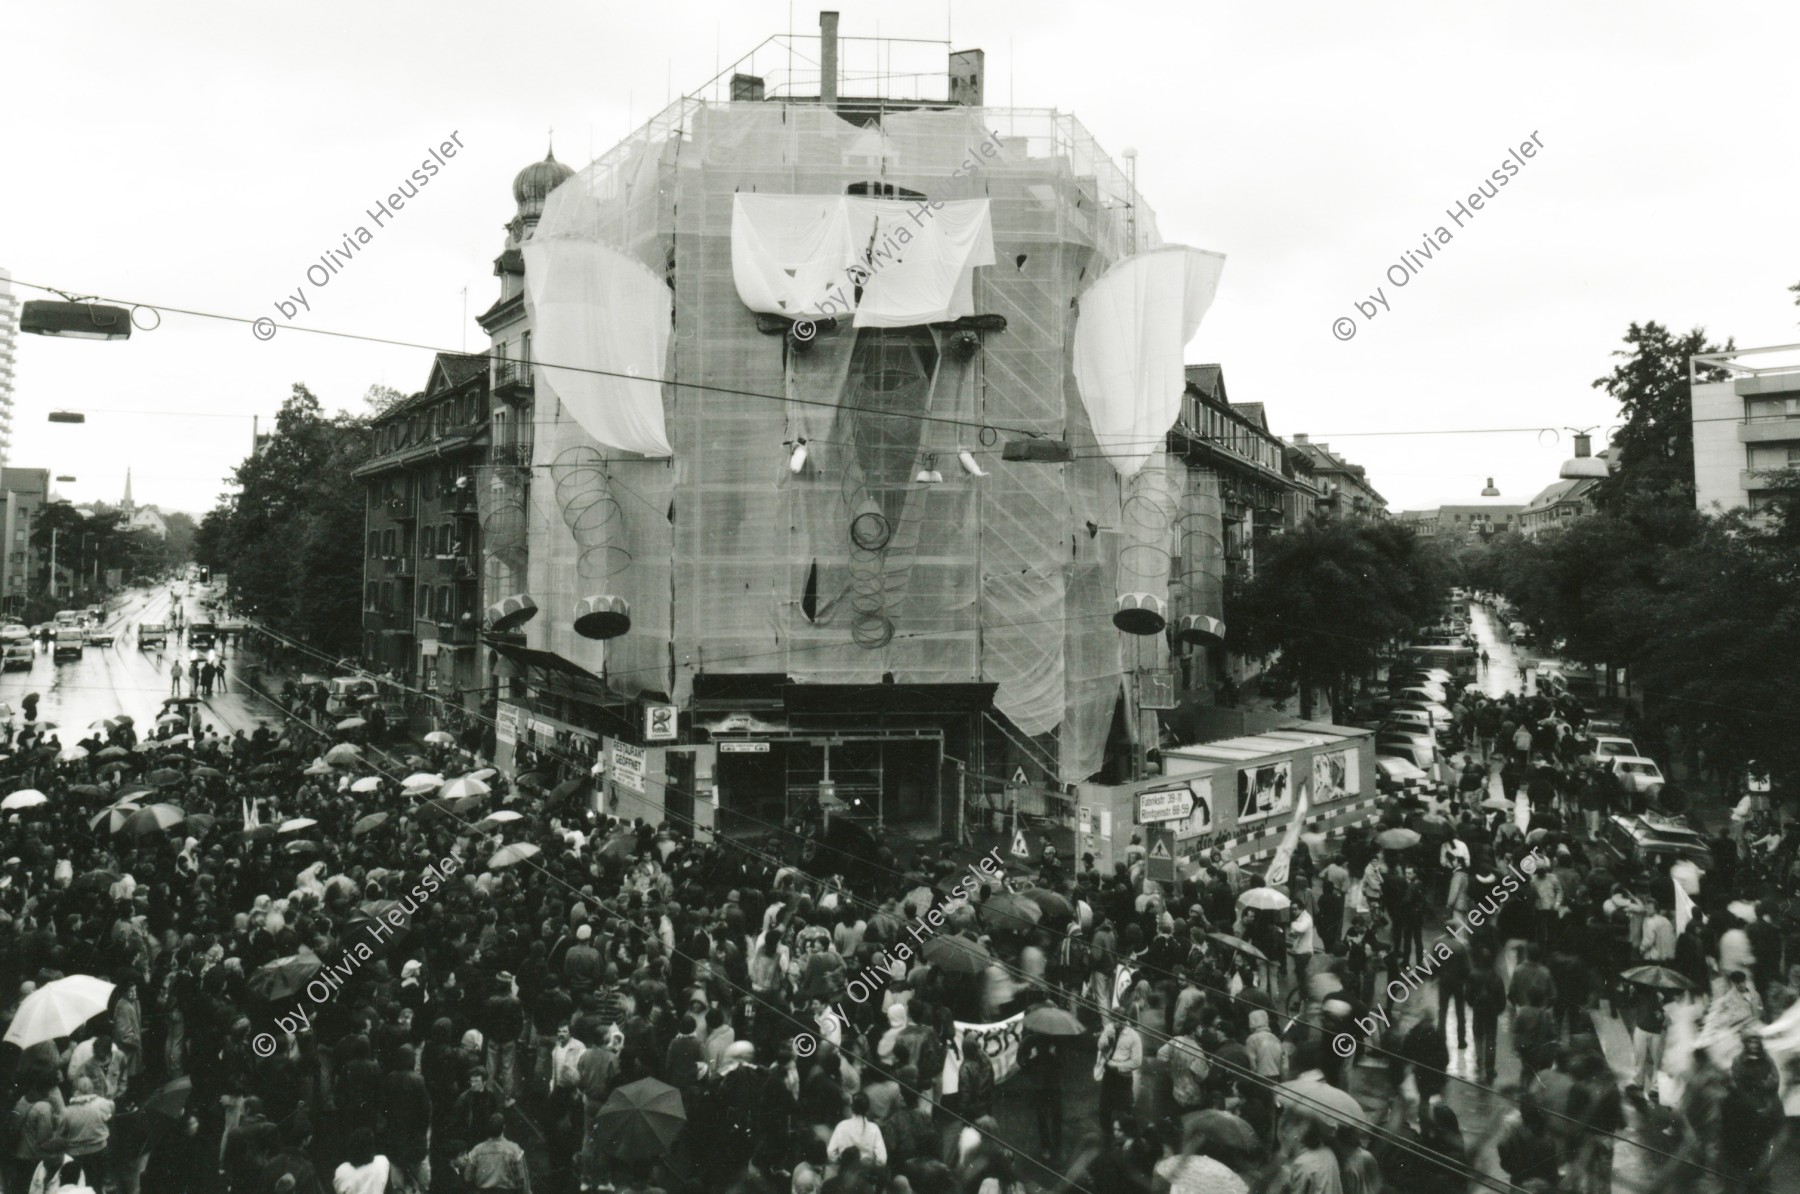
x: 129, y: 790
x: 640, y: 1121
x: 114, y: 817
x: 368, y: 824
x: 1323, y: 1100
x: 199, y: 823
x: 440, y: 738
x: 351, y: 723
x: 58, y: 1008
x: 1396, y: 839
x: 421, y: 781
x: 87, y: 791
x: 316, y: 767
x: 208, y: 773
x: 1497, y: 804
x: 296, y: 824
x: 72, y: 754
x: 284, y: 977
x: 1051, y: 1020
x: 486, y: 773
x: 171, y: 1098
x: 957, y: 955
x: 367, y: 783
x: 344, y: 754
x: 1009, y: 911
x: 569, y: 787
x: 504, y: 816
x: 264, y: 770
x: 458, y: 788
x: 343, y: 883
x: 619, y: 845
x: 110, y: 753
x: 125, y: 719
x: 1659, y: 977
x: 114, y: 768
x: 1055, y: 906
x: 186, y: 700
x: 1432, y: 826
x: 154, y: 818
x: 163, y: 777
x: 24, y: 798
x: 1222, y: 1128
x: 1239, y: 944
x: 414, y: 761
x: 1265, y: 898
x: 508, y: 855
x: 1537, y: 835
x: 174, y: 740
x: 303, y: 846
x: 97, y: 880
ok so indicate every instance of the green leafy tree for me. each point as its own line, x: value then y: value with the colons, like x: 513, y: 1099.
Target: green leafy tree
x: 1328, y: 597
x: 1655, y: 445
x: 281, y: 538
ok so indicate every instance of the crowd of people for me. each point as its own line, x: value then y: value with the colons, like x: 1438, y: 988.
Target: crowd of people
x: 329, y: 977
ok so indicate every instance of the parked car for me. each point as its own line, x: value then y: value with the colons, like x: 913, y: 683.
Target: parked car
x: 1429, y: 692
x: 1655, y: 842
x: 1396, y: 774
x: 1412, y: 721
x: 1637, y: 774
x: 1440, y: 715
x: 1606, y: 747
x: 1418, y: 749
x: 16, y: 648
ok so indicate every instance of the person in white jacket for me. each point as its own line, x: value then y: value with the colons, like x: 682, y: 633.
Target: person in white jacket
x: 857, y: 1132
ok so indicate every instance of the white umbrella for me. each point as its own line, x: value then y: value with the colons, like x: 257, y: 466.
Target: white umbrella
x: 72, y: 754
x: 24, y: 798
x: 296, y: 824
x: 421, y: 781
x: 485, y: 773
x: 1265, y: 898
x: 466, y: 786
x: 367, y: 783
x: 440, y: 738
x: 503, y: 817
x: 58, y: 1008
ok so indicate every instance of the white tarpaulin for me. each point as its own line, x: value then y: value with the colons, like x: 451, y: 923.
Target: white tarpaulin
x: 1134, y: 324
x: 593, y: 308
x: 807, y: 255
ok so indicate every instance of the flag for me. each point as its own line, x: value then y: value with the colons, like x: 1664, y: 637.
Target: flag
x: 1284, y: 853
x: 1522, y: 810
x: 1684, y: 907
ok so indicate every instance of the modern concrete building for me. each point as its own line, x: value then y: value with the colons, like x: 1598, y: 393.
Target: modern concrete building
x: 1746, y: 425
x: 26, y: 491
x: 9, y: 330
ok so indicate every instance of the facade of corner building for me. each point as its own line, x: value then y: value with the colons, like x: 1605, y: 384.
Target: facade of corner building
x: 828, y: 627
x: 1746, y: 430
x: 1347, y: 491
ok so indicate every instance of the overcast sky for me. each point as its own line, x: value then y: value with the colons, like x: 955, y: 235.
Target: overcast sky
x: 202, y: 155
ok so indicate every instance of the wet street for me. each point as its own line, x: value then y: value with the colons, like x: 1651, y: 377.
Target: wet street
x: 122, y: 679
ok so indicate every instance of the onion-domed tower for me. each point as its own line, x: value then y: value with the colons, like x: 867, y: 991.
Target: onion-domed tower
x: 531, y: 186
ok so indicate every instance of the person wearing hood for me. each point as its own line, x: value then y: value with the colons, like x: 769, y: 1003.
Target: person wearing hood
x: 898, y: 1020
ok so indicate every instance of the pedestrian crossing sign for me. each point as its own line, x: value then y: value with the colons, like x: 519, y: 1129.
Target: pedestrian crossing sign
x: 1159, y: 850
x: 1019, y: 848
x: 1018, y: 777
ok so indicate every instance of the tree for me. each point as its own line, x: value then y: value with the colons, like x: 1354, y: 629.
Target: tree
x: 281, y: 538
x: 1329, y: 595
x: 1655, y: 446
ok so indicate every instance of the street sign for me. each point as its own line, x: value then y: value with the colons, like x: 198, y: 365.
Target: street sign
x: 1159, y: 858
x: 1019, y: 848
x: 1018, y: 777
x: 1171, y: 802
x: 659, y: 723
x: 738, y: 747
x: 1156, y: 689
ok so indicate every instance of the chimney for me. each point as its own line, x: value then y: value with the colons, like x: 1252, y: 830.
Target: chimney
x: 1300, y: 439
x: 828, y: 66
x: 967, y: 68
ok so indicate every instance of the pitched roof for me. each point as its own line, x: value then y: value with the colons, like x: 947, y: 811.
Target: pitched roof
x: 1254, y: 412
x: 1208, y: 379
x: 454, y: 368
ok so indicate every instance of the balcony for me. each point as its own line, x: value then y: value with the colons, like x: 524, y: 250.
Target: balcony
x: 463, y: 629
x: 1765, y: 429
x: 510, y: 455
x: 512, y: 380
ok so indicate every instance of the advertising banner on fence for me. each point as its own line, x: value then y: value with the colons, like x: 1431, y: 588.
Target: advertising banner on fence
x: 1000, y: 1041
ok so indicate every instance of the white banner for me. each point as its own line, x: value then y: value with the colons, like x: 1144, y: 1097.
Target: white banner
x: 626, y: 765
x: 999, y: 1041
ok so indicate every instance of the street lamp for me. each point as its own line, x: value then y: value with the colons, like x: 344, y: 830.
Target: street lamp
x: 1490, y: 491
x: 75, y: 319
x: 1582, y: 466
x: 67, y: 416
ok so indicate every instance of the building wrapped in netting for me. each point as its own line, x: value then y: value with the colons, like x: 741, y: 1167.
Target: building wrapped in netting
x: 810, y: 457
